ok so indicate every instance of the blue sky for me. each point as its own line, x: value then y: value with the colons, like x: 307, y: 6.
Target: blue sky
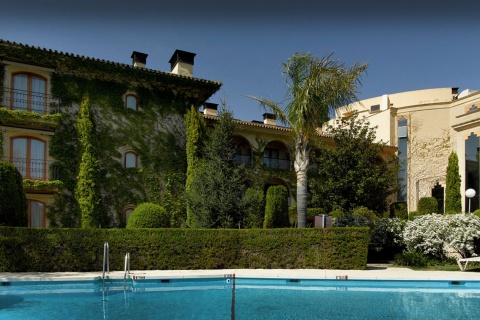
x: 409, y: 45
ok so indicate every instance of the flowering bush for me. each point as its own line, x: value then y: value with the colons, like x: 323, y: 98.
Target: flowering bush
x: 436, y: 234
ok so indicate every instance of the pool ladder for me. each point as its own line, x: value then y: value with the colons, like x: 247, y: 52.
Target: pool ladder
x: 106, y: 262
x: 127, y: 269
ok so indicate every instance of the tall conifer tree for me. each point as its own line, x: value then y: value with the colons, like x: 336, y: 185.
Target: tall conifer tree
x: 453, y: 197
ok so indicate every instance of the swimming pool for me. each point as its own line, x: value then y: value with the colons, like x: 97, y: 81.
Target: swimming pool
x: 240, y: 298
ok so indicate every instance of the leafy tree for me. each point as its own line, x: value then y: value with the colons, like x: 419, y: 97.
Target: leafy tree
x: 453, y: 198
x: 87, y: 191
x: 13, y: 204
x: 315, y: 87
x: 276, y: 208
x: 216, y: 185
x: 352, y: 174
x: 149, y: 215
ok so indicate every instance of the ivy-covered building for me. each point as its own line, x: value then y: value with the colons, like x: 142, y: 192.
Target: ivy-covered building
x: 110, y: 133
x: 100, y: 137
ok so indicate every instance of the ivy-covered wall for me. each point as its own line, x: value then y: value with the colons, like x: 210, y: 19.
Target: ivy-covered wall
x: 156, y: 133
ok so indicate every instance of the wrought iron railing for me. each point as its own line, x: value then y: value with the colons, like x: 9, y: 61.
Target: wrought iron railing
x: 243, y: 159
x: 15, y: 99
x: 273, y: 163
x: 36, y: 169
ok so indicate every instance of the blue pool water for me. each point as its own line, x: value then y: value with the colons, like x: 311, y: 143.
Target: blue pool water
x: 224, y: 298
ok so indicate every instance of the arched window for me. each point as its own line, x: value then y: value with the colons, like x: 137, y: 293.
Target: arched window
x: 36, y: 214
x: 29, y: 92
x: 28, y: 155
x: 127, y: 212
x: 131, y: 160
x: 131, y: 101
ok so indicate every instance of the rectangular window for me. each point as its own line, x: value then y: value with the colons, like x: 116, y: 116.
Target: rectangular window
x: 375, y: 108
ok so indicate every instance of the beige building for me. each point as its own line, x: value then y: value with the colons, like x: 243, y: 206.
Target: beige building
x: 426, y: 126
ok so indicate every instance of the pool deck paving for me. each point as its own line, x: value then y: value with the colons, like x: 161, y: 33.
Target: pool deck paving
x: 373, y: 272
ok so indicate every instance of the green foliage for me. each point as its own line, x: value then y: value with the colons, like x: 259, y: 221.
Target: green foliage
x: 276, y: 208
x: 87, y: 191
x: 149, y: 215
x: 336, y: 213
x: 350, y: 220
x: 386, y: 239
x: 366, y: 213
x: 216, y: 186
x: 77, y: 250
x: 413, y: 214
x: 42, y: 185
x: 453, y: 197
x: 30, y: 119
x: 253, y: 204
x: 427, y: 205
x: 13, y: 204
x: 351, y: 174
x: 311, y: 212
x: 195, y: 132
x: 411, y: 259
x: 399, y: 210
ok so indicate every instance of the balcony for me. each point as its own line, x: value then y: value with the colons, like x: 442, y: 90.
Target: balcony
x: 30, y: 101
x: 35, y: 169
x: 272, y: 163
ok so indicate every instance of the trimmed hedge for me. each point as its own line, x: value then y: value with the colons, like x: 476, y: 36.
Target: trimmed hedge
x: 427, y: 205
x: 55, y: 250
x: 276, y: 208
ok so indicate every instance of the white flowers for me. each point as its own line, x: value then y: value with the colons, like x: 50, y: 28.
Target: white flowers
x: 436, y: 234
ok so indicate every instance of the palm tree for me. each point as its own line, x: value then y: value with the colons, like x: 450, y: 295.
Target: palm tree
x: 316, y: 87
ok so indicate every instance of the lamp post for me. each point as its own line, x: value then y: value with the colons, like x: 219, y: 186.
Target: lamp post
x: 470, y: 193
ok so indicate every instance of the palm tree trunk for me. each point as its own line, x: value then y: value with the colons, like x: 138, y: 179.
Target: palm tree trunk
x: 301, y: 165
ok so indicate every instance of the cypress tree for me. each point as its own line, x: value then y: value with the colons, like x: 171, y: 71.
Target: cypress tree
x: 13, y: 204
x: 87, y: 191
x: 453, y: 198
x: 276, y: 208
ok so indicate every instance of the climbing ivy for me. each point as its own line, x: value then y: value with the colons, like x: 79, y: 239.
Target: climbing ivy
x: 87, y: 191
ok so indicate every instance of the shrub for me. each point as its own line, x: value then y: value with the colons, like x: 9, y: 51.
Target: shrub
x: 149, y: 215
x: 436, y: 235
x: 399, y: 210
x: 427, y: 205
x: 253, y: 203
x: 13, y: 203
x: 276, y: 208
x: 386, y: 239
x: 366, y: 213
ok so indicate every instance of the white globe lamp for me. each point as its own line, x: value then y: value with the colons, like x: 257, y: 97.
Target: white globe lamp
x: 470, y: 193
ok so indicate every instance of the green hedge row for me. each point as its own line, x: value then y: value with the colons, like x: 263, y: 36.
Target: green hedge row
x: 53, y: 250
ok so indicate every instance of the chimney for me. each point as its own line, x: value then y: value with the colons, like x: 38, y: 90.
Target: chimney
x: 181, y: 63
x: 269, y: 118
x: 139, y: 59
x: 210, y: 109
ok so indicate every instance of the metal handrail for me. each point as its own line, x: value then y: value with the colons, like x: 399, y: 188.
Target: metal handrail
x: 106, y: 258
x: 127, y: 268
